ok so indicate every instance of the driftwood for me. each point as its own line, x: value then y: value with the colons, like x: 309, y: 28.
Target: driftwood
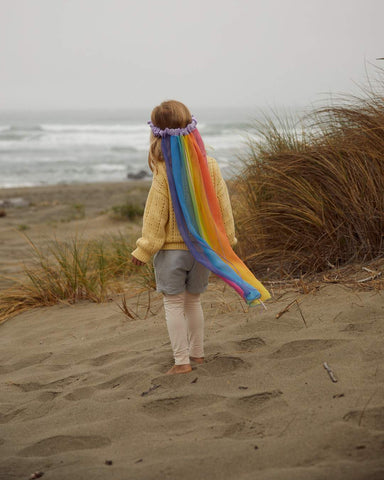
x: 330, y: 372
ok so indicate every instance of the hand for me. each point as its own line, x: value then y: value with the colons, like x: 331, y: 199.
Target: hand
x: 137, y: 262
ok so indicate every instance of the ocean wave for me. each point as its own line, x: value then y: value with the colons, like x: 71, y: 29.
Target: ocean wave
x: 18, y: 133
x: 97, y: 128
x: 109, y: 167
x: 62, y: 127
x: 124, y: 149
x: 77, y: 140
x: 114, y: 137
x: 25, y: 128
x: 19, y: 184
x: 50, y: 151
x: 219, y: 142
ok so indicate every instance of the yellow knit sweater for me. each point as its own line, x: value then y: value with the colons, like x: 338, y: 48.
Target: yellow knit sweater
x: 160, y: 231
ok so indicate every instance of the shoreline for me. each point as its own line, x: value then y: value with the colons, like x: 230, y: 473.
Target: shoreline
x: 94, y: 196
x: 89, y: 185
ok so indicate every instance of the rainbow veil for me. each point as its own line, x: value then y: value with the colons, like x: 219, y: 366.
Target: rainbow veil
x: 197, y: 210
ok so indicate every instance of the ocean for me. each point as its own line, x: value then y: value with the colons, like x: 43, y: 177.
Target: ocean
x: 67, y: 147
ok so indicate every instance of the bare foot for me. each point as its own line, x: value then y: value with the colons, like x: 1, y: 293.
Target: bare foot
x: 186, y: 368
x: 197, y: 359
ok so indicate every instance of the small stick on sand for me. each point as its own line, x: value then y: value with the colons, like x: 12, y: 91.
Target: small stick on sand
x: 372, y: 277
x: 287, y: 426
x: 263, y: 304
x: 365, y: 406
x: 301, y: 313
x: 330, y: 372
x: 285, y: 309
x: 153, y: 387
x: 334, y: 318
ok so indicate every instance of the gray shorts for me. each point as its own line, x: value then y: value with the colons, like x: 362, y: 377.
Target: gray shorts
x: 177, y: 270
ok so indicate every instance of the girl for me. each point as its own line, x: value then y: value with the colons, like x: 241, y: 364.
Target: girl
x: 188, y: 226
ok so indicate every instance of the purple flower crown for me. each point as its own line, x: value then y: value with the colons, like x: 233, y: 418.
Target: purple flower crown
x: 157, y: 132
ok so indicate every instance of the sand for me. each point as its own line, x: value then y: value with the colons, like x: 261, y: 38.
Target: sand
x: 83, y: 393
x: 62, y: 212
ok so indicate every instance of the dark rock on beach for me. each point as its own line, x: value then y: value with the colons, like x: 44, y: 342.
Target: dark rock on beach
x: 138, y: 176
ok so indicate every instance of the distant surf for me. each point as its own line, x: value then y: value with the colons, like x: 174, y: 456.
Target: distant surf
x: 48, y: 148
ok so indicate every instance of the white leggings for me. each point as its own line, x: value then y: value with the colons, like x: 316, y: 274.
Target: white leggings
x: 185, y: 322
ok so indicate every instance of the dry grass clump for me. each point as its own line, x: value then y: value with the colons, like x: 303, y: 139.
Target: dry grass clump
x: 128, y: 210
x: 69, y: 272
x: 314, y: 199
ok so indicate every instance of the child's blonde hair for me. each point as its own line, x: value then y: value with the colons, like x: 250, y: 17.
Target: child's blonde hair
x: 169, y: 114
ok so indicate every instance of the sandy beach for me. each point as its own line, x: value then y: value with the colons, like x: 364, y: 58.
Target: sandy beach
x: 83, y: 393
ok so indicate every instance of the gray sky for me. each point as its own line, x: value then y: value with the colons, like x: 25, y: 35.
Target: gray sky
x: 125, y: 53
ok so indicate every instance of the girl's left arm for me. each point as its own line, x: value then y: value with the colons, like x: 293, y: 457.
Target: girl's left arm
x: 154, y: 221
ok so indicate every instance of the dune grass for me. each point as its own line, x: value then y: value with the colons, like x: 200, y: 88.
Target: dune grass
x: 71, y: 271
x: 308, y: 199
x: 128, y: 210
x: 312, y: 198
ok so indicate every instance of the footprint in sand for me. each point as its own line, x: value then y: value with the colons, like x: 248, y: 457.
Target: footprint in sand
x: 105, y: 359
x: 62, y: 382
x: 8, y: 417
x: 47, y: 396
x: 83, y: 393
x: 25, y: 363
x: 80, y: 394
x: 371, y: 418
x: 173, y: 405
x: 29, y: 387
x: 174, y: 381
x: 31, y: 412
x: 258, y: 399
x: 57, y: 367
x: 221, y: 365
x: 250, y: 344
x: 126, y: 379
x: 245, y: 429
x: 357, y: 327
x: 63, y: 443
x: 303, y: 347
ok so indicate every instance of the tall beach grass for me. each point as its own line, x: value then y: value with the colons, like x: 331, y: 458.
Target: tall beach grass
x: 308, y: 199
x: 70, y: 271
x: 312, y: 197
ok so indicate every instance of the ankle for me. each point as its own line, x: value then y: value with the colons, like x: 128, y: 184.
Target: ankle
x: 197, y: 359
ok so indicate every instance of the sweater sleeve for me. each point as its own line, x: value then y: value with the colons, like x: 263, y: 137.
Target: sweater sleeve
x: 225, y: 205
x: 155, y: 218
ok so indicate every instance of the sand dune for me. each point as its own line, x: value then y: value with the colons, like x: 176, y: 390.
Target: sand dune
x: 82, y: 385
